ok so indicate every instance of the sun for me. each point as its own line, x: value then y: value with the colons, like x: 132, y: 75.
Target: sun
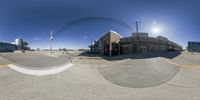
x: 156, y: 30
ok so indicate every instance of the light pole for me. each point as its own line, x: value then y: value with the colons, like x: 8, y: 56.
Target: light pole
x: 51, y: 41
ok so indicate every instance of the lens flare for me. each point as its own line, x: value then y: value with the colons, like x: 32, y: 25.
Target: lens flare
x: 156, y: 30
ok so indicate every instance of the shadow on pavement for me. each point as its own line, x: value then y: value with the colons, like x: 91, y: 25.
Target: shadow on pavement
x: 169, y: 55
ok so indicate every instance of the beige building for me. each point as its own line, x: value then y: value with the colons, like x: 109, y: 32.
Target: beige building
x: 112, y: 43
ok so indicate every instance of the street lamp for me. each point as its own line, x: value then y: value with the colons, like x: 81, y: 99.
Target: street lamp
x: 51, y: 38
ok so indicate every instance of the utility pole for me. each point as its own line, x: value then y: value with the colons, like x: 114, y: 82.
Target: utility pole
x: 137, y: 38
x: 137, y: 22
x: 91, y: 46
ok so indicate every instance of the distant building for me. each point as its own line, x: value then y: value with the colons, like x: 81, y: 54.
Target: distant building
x: 112, y: 43
x: 83, y: 49
x: 193, y: 46
x: 18, y: 45
x: 6, y: 47
x: 21, y: 44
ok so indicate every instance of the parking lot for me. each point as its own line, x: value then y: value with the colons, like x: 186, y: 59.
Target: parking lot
x: 157, y: 76
x: 37, y: 59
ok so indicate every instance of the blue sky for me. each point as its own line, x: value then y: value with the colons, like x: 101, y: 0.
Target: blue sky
x: 33, y: 19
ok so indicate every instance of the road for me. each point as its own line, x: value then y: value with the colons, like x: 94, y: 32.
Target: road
x: 96, y: 78
x: 36, y: 60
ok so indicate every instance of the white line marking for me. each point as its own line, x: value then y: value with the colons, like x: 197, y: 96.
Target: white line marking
x: 40, y: 72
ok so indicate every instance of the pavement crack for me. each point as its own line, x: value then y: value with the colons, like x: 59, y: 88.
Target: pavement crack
x: 174, y: 85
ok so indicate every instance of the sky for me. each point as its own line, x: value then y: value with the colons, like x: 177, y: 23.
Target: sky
x: 75, y: 23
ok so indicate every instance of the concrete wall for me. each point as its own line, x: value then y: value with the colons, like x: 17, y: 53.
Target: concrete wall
x: 126, y: 49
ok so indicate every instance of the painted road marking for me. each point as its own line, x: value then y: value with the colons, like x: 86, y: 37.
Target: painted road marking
x: 183, y: 66
x: 40, y: 72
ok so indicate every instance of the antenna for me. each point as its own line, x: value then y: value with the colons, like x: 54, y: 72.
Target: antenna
x: 51, y: 38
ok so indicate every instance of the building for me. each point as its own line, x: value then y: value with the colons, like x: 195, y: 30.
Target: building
x: 140, y: 34
x: 21, y: 44
x: 112, y: 43
x: 18, y: 45
x: 6, y: 47
x: 193, y: 46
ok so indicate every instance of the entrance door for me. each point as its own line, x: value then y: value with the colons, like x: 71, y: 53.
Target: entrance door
x: 114, y: 49
x: 106, y: 50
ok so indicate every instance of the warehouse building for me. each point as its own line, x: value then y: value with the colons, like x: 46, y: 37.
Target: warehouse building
x: 18, y: 45
x: 193, y: 46
x: 112, y: 43
x: 21, y: 44
x: 6, y: 47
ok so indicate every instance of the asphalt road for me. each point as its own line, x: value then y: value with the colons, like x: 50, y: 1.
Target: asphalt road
x: 36, y: 59
x: 140, y: 73
x: 95, y: 78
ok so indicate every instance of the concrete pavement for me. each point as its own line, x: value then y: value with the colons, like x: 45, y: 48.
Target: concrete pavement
x: 36, y: 60
x: 99, y: 79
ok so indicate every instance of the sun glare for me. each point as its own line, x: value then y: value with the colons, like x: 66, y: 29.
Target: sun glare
x: 156, y: 30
